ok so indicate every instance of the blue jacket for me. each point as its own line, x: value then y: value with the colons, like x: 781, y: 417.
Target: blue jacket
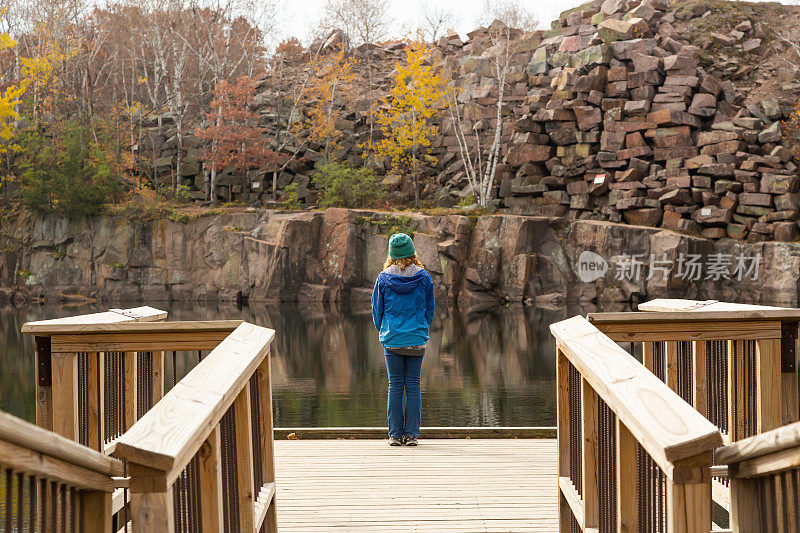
x: 402, y: 308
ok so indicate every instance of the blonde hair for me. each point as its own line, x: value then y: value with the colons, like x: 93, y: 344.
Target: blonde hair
x: 403, y: 262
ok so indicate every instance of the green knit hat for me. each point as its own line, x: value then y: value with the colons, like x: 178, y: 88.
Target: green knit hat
x: 400, y: 245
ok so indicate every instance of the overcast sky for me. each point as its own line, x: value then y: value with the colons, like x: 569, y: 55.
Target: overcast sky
x: 302, y: 15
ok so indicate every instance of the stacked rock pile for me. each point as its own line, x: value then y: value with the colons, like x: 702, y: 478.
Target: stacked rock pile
x: 622, y: 123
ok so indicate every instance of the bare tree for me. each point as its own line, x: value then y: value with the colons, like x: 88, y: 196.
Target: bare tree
x: 479, y: 166
x: 513, y: 13
x: 364, y: 21
x: 149, y: 49
x: 177, y: 89
x: 435, y: 19
x: 229, y: 37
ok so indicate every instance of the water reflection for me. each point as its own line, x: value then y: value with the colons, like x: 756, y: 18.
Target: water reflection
x: 328, y: 367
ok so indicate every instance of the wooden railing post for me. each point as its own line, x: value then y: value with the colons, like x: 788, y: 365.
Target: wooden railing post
x: 65, y: 394
x: 44, y: 383
x: 700, y: 381
x: 562, y: 414
x: 152, y: 512
x: 131, y: 392
x: 671, y: 364
x: 591, y: 505
x: 244, y: 459
x: 768, y: 372
x: 647, y: 355
x: 735, y: 386
x: 789, y: 361
x: 627, y: 481
x: 158, y: 376
x: 264, y: 380
x: 211, y: 483
x: 563, y: 435
x: 95, y: 400
x: 95, y: 511
x: 689, y: 507
x: 745, y: 515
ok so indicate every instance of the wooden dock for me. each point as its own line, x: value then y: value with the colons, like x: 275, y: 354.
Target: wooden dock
x: 453, y: 485
x: 634, y: 449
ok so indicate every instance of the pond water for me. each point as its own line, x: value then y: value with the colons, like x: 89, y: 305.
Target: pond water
x: 328, y: 368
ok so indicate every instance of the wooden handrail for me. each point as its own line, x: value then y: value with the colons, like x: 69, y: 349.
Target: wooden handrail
x: 687, y: 326
x: 175, y: 326
x: 199, y: 427
x: 143, y: 336
x: 735, y: 363
x: 26, y: 435
x: 677, y: 304
x: 616, y: 422
x: 59, y: 371
x: 746, y: 335
x: 85, y: 362
x: 777, y: 440
x: 763, y: 472
x: 168, y: 435
x: 67, y: 481
x: 666, y: 426
x: 79, y: 322
x: 699, y: 316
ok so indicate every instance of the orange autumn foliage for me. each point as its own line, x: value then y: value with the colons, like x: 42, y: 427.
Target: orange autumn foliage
x: 236, y: 139
x: 330, y: 89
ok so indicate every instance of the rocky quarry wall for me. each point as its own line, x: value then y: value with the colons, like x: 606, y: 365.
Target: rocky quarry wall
x: 625, y: 111
x: 334, y: 255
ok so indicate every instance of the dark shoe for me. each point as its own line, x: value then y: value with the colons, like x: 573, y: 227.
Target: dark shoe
x: 410, y: 441
x: 394, y: 441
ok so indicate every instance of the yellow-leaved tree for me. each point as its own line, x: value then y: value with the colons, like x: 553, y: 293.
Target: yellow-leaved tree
x: 9, y: 103
x: 331, y: 88
x: 407, y: 117
x: 39, y: 70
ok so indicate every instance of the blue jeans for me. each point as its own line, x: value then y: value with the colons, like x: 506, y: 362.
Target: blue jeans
x: 404, y: 373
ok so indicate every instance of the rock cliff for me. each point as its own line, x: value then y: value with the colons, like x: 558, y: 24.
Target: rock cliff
x: 334, y: 255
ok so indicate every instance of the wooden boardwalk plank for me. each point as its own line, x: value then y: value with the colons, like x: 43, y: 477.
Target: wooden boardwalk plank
x: 453, y: 485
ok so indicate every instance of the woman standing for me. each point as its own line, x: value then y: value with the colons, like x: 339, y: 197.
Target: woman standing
x: 402, y: 310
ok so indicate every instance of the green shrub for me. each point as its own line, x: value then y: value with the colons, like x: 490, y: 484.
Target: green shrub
x: 390, y: 224
x: 292, y: 200
x: 70, y: 174
x: 343, y: 186
x: 466, y: 201
x: 181, y: 194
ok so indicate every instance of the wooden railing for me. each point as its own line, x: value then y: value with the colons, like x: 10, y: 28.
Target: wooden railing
x: 97, y: 374
x: 735, y: 363
x: 50, y: 483
x: 202, y: 458
x: 632, y: 455
x: 62, y: 373
x: 764, y: 473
